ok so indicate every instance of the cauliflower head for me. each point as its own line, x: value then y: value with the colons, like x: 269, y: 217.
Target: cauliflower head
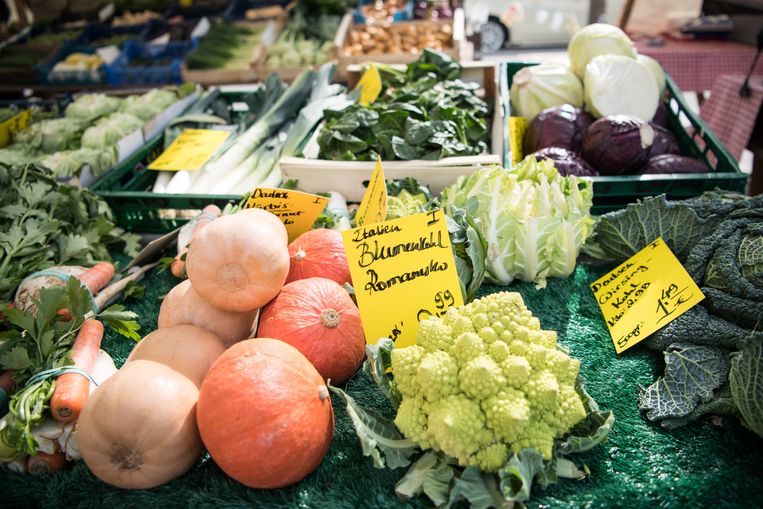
x: 484, y: 381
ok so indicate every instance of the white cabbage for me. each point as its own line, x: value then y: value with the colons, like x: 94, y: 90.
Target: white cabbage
x: 538, y: 87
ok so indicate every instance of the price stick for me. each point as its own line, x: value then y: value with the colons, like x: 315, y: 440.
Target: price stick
x: 190, y: 150
x: 644, y: 294
x: 517, y: 129
x: 296, y: 209
x: 373, y: 206
x: 370, y: 85
x: 403, y: 271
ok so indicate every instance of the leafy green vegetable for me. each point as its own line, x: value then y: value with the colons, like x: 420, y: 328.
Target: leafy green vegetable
x: 719, y: 238
x: 68, y: 163
x: 479, y: 489
x: 746, y: 380
x: 692, y: 373
x: 423, y: 113
x: 43, y: 223
x: 35, y: 343
x: 430, y: 474
x: 148, y: 105
x: 90, y: 107
x: 534, y: 220
x: 109, y: 130
x: 51, y: 136
x: 518, y: 474
x: 469, y: 248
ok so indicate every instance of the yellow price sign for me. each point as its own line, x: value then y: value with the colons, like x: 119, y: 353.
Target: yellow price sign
x: 13, y: 125
x: 644, y: 294
x: 296, y: 209
x: 403, y: 271
x: 190, y: 150
x: 517, y: 129
x: 373, y: 206
x: 370, y: 85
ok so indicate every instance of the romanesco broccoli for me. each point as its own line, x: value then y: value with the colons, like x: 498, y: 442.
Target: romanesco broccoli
x: 485, y: 381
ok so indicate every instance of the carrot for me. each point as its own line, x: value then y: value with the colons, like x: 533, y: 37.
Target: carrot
x: 72, y: 389
x: 209, y: 214
x: 97, y: 276
x: 44, y: 463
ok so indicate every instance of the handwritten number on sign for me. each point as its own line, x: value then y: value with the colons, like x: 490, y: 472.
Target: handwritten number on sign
x: 670, y: 300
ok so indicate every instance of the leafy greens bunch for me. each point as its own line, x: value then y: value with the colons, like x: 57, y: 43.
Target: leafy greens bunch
x: 41, y: 341
x: 714, y: 351
x: 44, y: 223
x: 425, y: 112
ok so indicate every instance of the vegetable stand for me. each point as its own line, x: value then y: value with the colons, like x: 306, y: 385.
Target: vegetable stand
x: 640, y: 466
x: 696, y: 140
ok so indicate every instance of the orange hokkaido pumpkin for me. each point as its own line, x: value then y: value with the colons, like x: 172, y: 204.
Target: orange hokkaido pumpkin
x: 239, y: 262
x: 188, y: 349
x: 318, y: 318
x: 265, y: 414
x: 183, y: 305
x: 318, y: 253
x: 138, y: 429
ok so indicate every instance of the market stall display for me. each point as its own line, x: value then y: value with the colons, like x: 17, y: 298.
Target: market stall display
x: 254, y: 353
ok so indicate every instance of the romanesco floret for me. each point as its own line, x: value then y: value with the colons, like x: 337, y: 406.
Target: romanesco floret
x: 498, y: 350
x: 517, y: 371
x: 490, y: 458
x: 542, y: 390
x: 457, y: 425
x: 488, y: 335
x: 411, y: 420
x: 507, y: 414
x: 564, y: 368
x: 484, y: 381
x: 437, y: 375
x: 466, y: 347
x: 481, y: 377
x: 405, y: 363
x: 433, y: 335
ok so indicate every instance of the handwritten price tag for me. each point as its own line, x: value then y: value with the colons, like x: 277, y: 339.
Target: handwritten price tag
x: 644, y: 294
x: 517, y: 128
x: 10, y: 127
x: 370, y: 85
x: 297, y: 210
x: 403, y: 271
x: 373, y: 206
x: 190, y: 150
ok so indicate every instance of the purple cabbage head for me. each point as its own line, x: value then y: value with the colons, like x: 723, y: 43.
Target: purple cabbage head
x: 559, y: 126
x: 566, y: 162
x: 618, y: 144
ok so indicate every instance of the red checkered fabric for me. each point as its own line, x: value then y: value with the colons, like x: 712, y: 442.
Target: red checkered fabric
x: 694, y: 65
x: 730, y: 116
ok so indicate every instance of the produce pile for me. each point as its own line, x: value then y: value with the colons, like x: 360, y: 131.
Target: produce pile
x: 226, y: 46
x: 424, y: 112
x: 87, y: 134
x: 408, y: 38
x: 605, y: 114
x: 307, y: 39
x: 713, y: 352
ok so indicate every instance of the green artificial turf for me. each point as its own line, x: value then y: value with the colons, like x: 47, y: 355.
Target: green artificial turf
x: 701, y: 465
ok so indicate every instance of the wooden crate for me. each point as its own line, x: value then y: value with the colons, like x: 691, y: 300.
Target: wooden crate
x: 348, y: 177
x: 241, y: 75
x: 460, y: 49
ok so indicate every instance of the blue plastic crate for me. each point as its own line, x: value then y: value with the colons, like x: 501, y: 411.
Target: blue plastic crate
x: 402, y: 15
x: 168, y: 57
x: 70, y: 77
x: 95, y: 32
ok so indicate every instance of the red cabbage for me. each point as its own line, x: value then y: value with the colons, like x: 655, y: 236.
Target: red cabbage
x: 661, y: 115
x: 559, y: 126
x: 664, y: 142
x: 618, y: 144
x: 566, y: 162
x: 671, y: 163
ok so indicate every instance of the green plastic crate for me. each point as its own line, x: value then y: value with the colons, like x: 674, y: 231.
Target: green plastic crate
x: 612, y: 193
x: 127, y: 187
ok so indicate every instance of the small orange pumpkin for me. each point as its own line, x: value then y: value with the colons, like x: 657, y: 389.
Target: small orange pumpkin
x: 264, y: 414
x: 318, y: 318
x: 318, y: 253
